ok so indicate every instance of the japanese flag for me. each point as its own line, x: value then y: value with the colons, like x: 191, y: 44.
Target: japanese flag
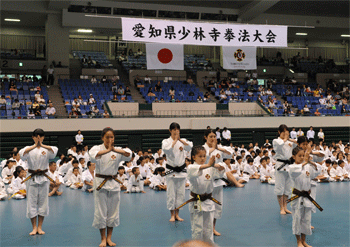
x: 165, y: 56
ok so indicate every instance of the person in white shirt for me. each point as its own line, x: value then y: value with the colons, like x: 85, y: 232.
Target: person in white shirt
x: 174, y: 148
x: 93, y: 80
x: 3, y: 194
x: 123, y: 178
x: 38, y: 187
x: 17, y: 188
x: 300, y: 132
x: 144, y: 170
x: 50, y: 110
x: 135, y: 183
x: 75, y: 180
x: 310, y: 134
x: 73, y: 151
x: 293, y: 134
x: 148, y: 79
x: 54, y: 187
x: 218, y: 134
x: 226, y: 137
x: 79, y: 138
x: 159, y: 180
x: 88, y: 177
x: 266, y: 173
x: 107, y: 196
x: 50, y: 79
x: 320, y: 135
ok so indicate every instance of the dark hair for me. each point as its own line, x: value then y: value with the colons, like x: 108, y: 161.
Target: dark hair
x: 258, y: 151
x: 250, y: 160
x: 158, y: 159
x: 75, y: 168
x: 134, y: 169
x: 121, y: 168
x: 265, y: 151
x: 340, y: 162
x: 174, y: 125
x: 159, y: 169
x: 262, y: 159
x: 8, y: 161
x: 295, y: 151
x: 195, y: 151
x: 38, y: 132
x: 81, y: 159
x: 302, y: 139
x: 328, y: 161
x: 89, y: 164
x: 138, y: 162
x: 18, y: 171
x: 217, y: 128
x: 282, y: 128
x: 238, y: 157
x: 151, y: 157
x: 207, y: 132
x: 105, y: 130
x: 52, y: 162
x: 75, y: 161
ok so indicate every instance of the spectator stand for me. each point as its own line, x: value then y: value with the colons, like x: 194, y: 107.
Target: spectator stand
x: 134, y: 62
x: 99, y: 57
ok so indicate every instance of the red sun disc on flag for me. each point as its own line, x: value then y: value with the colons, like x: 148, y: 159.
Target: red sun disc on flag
x: 165, y: 55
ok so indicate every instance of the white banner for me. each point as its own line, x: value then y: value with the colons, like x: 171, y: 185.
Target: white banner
x: 239, y: 57
x: 165, y: 56
x: 202, y: 33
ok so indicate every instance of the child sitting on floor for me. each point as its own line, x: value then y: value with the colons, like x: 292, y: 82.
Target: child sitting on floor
x: 135, y: 184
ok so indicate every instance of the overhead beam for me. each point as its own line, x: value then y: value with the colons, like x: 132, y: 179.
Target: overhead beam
x: 58, y: 4
x: 254, y: 9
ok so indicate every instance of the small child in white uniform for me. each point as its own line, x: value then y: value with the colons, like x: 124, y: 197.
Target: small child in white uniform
x: 7, y: 171
x: 88, y: 177
x: 159, y: 180
x: 122, y: 178
x: 75, y: 181
x: 19, y: 188
x: 135, y: 184
x: 266, y: 175
x: 3, y: 193
x: 54, y: 187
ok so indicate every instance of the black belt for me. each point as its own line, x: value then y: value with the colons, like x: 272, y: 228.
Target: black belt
x: 196, y: 197
x: 223, y: 179
x: 285, y: 162
x: 247, y: 173
x: 306, y: 194
x: 174, y: 169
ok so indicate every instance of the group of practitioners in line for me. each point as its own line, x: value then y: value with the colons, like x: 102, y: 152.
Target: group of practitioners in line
x: 106, y: 170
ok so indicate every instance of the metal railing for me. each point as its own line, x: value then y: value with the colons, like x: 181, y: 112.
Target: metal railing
x: 185, y: 113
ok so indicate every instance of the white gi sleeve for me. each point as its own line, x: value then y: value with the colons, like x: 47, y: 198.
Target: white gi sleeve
x: 93, y: 152
x: 295, y: 170
x: 22, y: 155
x: 188, y: 147
x: 193, y: 171
x: 53, y: 154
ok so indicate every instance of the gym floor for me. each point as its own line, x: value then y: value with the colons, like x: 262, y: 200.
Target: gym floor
x: 250, y: 218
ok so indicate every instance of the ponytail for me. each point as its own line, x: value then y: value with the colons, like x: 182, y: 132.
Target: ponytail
x: 18, y: 171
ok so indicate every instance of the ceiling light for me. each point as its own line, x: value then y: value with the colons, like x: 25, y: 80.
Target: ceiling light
x: 15, y: 20
x: 84, y: 30
x: 301, y: 34
x: 345, y: 35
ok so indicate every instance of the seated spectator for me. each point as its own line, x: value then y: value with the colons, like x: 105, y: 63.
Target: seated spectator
x: 115, y: 79
x: 80, y: 100
x: 317, y: 93
x: 130, y: 53
x: 199, y: 99
x: 127, y: 91
x: 158, y: 87
x: 250, y: 93
x: 75, y: 103
x: 90, y: 61
x: 137, y: 81
x: 288, y: 92
x: 35, y: 106
x: 139, y: 53
x: 156, y: 100
x: 2, y: 100
x: 205, y: 82
x: 93, y: 79
x: 16, y: 104
x: 150, y: 92
x: 50, y: 110
x: 91, y: 101
x: 222, y: 96
x: 306, y: 110
x: 272, y: 104
x: 105, y: 114
x: 172, y: 98
x: 322, y: 100
x: 162, y: 100
x: 189, y: 80
x: 260, y: 100
x: 206, y: 97
x: 42, y: 102
x: 12, y: 86
x: 269, y: 92
x: 148, y: 79
x: 104, y: 79
x: 37, y: 95
x: 285, y: 112
x: 121, y: 90
x: 172, y: 91
x: 122, y: 57
x: 84, y: 60
x: 31, y: 114
x: 73, y: 113
x: 285, y: 105
x: 95, y: 111
x: 115, y: 98
x: 317, y: 113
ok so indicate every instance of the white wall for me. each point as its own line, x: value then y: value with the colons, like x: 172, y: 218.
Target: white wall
x: 28, y: 125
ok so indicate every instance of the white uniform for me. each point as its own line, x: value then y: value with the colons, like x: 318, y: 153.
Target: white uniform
x: 157, y: 180
x: 3, y: 193
x: 69, y: 174
x: 144, y: 171
x: 107, y: 199
x: 283, y: 183
x: 202, y: 214
x: 124, y: 179
x: 63, y: 169
x: 333, y: 173
x: 249, y: 170
x: 38, y: 187
x: 324, y: 172
x: 21, y: 163
x: 302, y: 207
x: 266, y: 172
x: 341, y: 172
x: 55, y: 176
x: 293, y: 135
x: 73, y: 180
x: 135, y: 184
x: 6, y: 172
x: 16, y: 187
x: 175, y: 181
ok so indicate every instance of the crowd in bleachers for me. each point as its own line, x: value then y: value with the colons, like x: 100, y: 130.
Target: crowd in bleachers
x: 93, y: 59
x: 74, y: 169
x: 24, y: 97
x: 85, y: 98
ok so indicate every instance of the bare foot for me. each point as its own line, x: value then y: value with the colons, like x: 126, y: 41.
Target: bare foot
x: 283, y: 212
x: 50, y: 194
x: 103, y: 243
x: 240, y: 185
x: 41, y: 232
x: 287, y: 211
x: 312, y: 227
x: 172, y: 219
x: 178, y: 218
x: 34, y: 232
x: 59, y: 193
x: 306, y: 245
x: 90, y: 190
x: 110, y: 243
x: 300, y: 245
x: 216, y: 233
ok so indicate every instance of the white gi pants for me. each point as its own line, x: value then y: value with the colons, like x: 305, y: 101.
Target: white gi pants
x: 135, y: 189
x: 202, y: 225
x: 106, y: 209
x: 283, y: 183
x: 301, y: 220
x: 175, y: 192
x: 218, y: 194
x: 37, y: 199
